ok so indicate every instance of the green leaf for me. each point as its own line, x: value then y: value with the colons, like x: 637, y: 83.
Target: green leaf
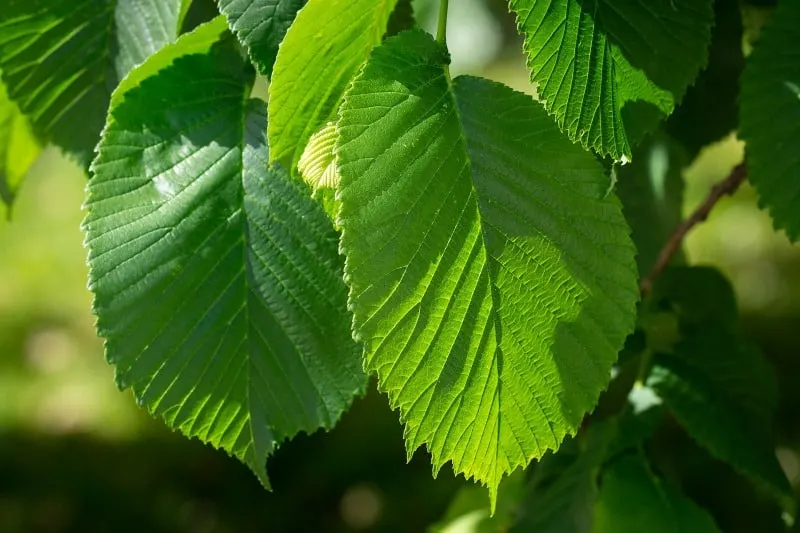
x: 199, y: 41
x: 217, y: 281
x: 260, y: 26
x: 633, y: 500
x: 716, y: 383
x: 563, y: 488
x: 19, y: 148
x: 712, y: 399
x: 651, y: 190
x: 491, y: 278
x: 610, y: 70
x: 770, y: 117
x: 322, y: 51
x: 709, y: 111
x: 61, y: 60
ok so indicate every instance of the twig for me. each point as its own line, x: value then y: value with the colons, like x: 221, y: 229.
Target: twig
x: 726, y: 187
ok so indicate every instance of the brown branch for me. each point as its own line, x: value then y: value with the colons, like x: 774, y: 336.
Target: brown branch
x: 726, y: 187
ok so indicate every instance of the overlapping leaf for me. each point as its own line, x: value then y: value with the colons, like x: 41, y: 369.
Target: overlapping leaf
x: 608, y: 70
x: 770, y: 117
x: 217, y: 281
x: 716, y: 383
x: 709, y: 111
x: 61, y: 60
x: 633, y: 500
x: 322, y: 51
x: 261, y: 25
x: 19, y: 148
x: 491, y: 278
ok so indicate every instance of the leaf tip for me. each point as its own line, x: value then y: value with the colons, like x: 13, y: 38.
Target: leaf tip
x: 492, y: 498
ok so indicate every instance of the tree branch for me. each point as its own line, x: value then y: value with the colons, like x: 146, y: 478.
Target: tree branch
x: 726, y: 187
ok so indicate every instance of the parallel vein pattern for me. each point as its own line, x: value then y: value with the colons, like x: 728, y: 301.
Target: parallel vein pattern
x: 217, y: 279
x: 261, y: 25
x: 609, y: 70
x: 322, y: 51
x: 61, y: 59
x: 770, y: 117
x: 491, y: 282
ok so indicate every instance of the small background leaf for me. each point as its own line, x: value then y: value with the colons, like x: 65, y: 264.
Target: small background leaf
x: 317, y: 165
x: 561, y: 494
x: 633, y: 500
x: 715, y: 382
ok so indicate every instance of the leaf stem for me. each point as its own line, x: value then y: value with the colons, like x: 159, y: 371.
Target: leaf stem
x: 441, y: 31
x: 726, y: 187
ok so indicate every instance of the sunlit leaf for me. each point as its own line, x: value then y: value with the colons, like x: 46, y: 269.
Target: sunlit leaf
x: 609, y: 70
x: 491, y: 278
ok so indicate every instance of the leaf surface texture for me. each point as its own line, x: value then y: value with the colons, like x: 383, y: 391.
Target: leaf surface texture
x: 770, y: 117
x: 61, y: 60
x: 323, y: 50
x: 609, y: 70
x: 260, y: 26
x: 492, y: 281
x: 218, y: 285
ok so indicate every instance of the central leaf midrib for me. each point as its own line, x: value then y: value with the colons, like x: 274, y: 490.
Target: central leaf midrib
x: 473, y: 198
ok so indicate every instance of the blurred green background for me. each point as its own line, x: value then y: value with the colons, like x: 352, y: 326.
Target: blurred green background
x: 77, y: 455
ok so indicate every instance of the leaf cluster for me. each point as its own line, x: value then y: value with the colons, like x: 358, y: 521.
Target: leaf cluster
x: 253, y: 261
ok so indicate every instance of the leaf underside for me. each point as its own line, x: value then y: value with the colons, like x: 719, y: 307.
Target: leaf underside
x: 491, y: 280
x: 609, y: 70
x: 770, y: 117
x: 217, y: 281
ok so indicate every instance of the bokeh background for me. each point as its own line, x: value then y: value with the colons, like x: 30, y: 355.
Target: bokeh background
x: 77, y: 455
